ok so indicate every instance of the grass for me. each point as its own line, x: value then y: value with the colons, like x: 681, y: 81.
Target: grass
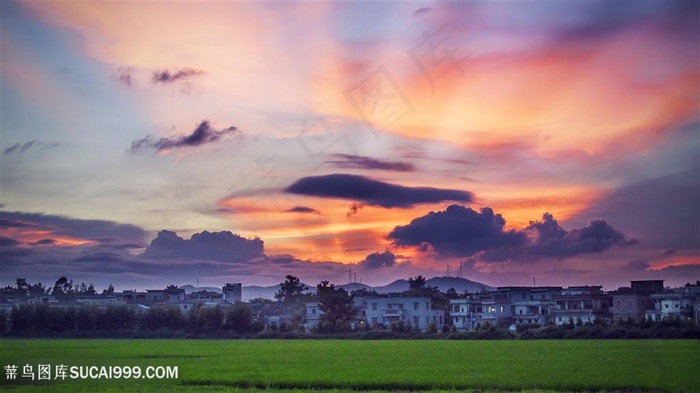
x: 223, y: 365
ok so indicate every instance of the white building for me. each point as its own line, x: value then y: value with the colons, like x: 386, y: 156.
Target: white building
x: 415, y: 311
x: 466, y: 313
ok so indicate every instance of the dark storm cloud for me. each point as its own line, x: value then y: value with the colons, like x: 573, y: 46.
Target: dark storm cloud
x: 302, y: 209
x: 373, y: 192
x: 8, y: 242
x: 597, y: 20
x: 75, y: 228
x: 554, y: 241
x: 203, y: 134
x: 376, y: 260
x: 166, y: 76
x: 663, y: 212
x: 43, y: 242
x: 361, y: 162
x: 220, y: 246
x: 457, y: 231
x: 12, y: 224
x: 19, y: 148
x: 461, y: 231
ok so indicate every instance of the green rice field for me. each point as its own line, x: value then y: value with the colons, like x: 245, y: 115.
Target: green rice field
x: 671, y: 366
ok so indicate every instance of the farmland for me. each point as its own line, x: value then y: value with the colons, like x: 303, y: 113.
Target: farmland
x: 420, y: 365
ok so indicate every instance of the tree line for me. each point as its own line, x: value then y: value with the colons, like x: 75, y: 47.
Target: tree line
x: 336, y: 318
x: 40, y: 320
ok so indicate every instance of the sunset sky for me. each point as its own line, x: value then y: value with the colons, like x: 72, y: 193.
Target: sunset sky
x: 146, y: 144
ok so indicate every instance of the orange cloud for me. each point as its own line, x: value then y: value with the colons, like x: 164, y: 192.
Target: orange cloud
x: 557, y: 98
x: 36, y: 235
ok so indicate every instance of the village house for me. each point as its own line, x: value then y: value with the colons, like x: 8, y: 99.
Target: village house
x: 679, y: 303
x: 414, y: 311
x: 635, y: 300
x: 533, y: 305
x: 466, y: 313
x: 581, y: 304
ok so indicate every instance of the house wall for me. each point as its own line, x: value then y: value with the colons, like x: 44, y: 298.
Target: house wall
x: 630, y: 305
x: 416, y: 311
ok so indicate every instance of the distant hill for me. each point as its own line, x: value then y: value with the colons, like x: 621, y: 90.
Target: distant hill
x: 355, y: 286
x: 443, y: 284
x: 255, y: 291
x: 459, y: 284
x: 191, y: 288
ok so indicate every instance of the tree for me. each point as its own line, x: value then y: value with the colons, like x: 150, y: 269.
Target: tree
x: 336, y: 306
x: 37, y: 290
x: 291, y: 289
x: 63, y: 288
x: 416, y: 284
x: 22, y: 285
x: 3, y: 321
x: 109, y: 290
x: 239, y: 318
x: 452, y: 293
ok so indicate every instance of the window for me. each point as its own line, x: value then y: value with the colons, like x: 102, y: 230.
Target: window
x: 630, y: 302
x: 619, y: 302
x: 501, y: 308
x: 416, y: 305
x: 374, y: 306
x: 415, y: 321
x: 665, y: 305
x: 521, y: 312
x: 374, y: 320
x: 313, y: 311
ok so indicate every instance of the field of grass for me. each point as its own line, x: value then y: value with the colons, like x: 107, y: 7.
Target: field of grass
x: 427, y: 365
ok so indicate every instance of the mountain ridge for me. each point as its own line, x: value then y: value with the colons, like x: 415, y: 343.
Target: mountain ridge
x: 442, y: 283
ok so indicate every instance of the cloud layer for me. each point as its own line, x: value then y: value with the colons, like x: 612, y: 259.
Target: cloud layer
x: 463, y: 232
x: 302, y: 209
x: 457, y: 231
x: 19, y: 148
x: 554, y: 241
x: 218, y: 246
x: 350, y: 161
x: 205, y: 133
x: 165, y: 76
x: 373, y: 192
x: 376, y: 260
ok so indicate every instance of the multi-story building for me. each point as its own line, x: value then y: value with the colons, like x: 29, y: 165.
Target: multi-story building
x: 416, y: 311
x: 581, y: 304
x: 683, y: 302
x: 130, y: 296
x: 506, y: 305
x: 466, y: 313
x: 632, y: 302
x: 232, y: 292
x: 313, y: 315
x: 534, y: 305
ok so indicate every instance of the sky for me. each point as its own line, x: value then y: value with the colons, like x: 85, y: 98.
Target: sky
x: 147, y: 144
